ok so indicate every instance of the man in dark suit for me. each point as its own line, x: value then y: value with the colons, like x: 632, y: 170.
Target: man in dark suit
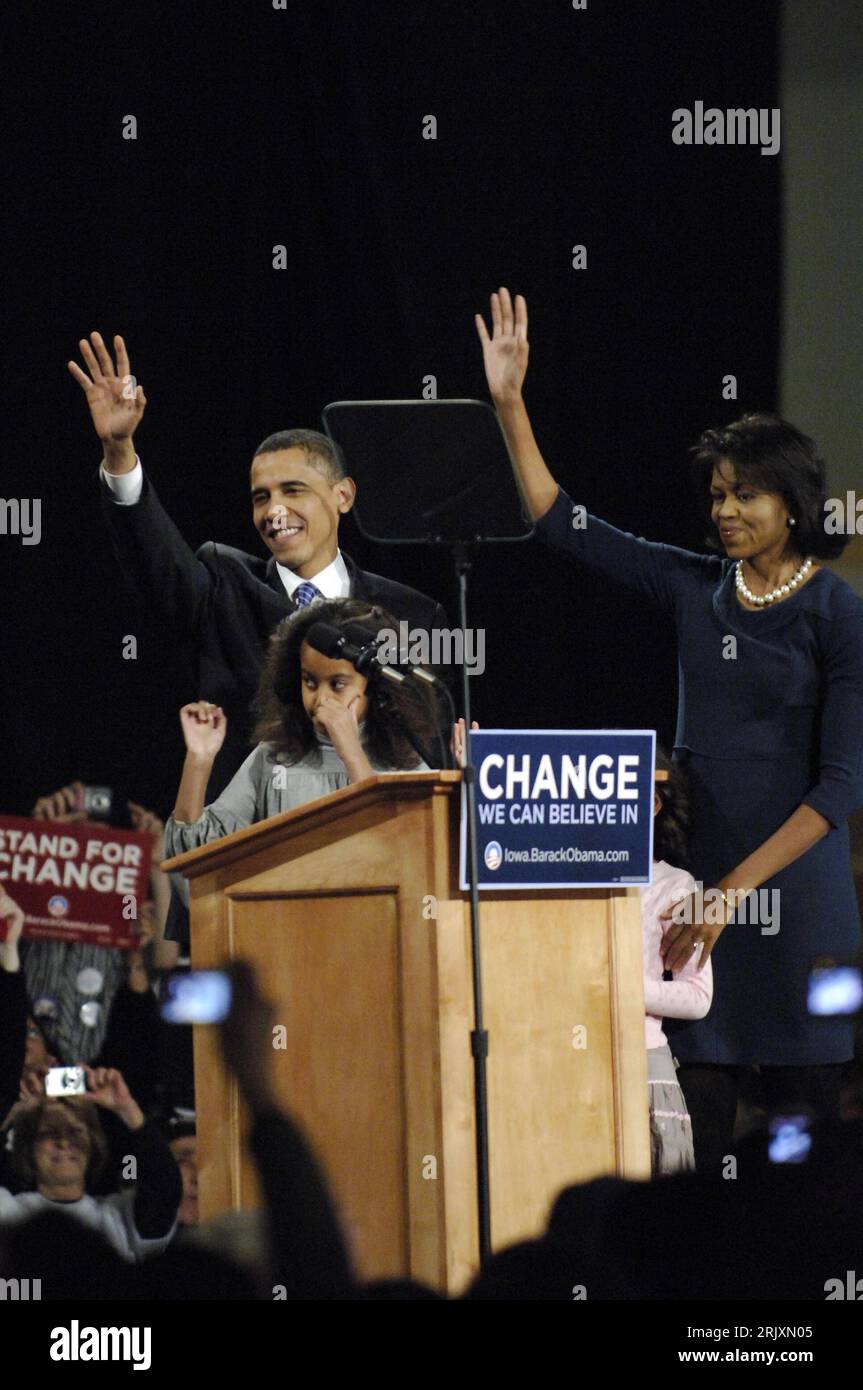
x: 222, y: 602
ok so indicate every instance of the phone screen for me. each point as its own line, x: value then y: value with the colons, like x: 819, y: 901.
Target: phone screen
x: 790, y: 1139
x: 65, y: 1081
x: 838, y: 990
x: 202, y: 996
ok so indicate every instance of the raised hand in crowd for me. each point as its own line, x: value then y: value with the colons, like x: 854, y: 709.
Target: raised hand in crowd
x: 154, y: 914
x: 11, y: 927
x: 67, y: 804
x: 105, y: 1086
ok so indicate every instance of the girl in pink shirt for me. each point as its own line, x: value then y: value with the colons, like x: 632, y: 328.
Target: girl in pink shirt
x: 687, y: 995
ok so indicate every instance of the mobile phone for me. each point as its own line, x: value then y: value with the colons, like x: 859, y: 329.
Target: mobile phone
x: 790, y: 1138
x: 202, y: 996
x: 835, y: 990
x: 96, y: 802
x: 65, y: 1081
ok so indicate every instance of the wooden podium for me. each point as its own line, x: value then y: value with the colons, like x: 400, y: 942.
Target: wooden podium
x: 349, y: 908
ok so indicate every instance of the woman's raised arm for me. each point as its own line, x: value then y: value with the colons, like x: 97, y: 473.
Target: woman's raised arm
x: 504, y: 356
x: 653, y: 568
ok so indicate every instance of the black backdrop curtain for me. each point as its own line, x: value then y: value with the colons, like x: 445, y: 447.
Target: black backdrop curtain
x: 303, y: 127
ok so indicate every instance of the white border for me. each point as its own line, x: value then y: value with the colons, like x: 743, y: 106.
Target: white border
x: 526, y: 887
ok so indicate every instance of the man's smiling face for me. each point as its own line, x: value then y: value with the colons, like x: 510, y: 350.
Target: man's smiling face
x: 296, y: 509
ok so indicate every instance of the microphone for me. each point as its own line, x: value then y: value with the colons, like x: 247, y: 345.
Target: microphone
x: 358, y: 633
x: 356, y: 645
x: 362, y: 653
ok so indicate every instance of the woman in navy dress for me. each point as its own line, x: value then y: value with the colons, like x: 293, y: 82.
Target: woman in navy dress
x: 769, y: 728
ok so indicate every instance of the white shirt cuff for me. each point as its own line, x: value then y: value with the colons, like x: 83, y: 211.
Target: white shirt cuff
x: 126, y: 488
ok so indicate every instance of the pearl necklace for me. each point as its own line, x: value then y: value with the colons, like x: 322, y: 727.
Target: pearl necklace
x: 783, y: 589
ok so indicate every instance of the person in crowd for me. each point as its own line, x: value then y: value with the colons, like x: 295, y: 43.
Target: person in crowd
x: 59, y: 1145
x: 15, y: 1041
x: 308, y: 1253
x: 183, y: 1143
x: 686, y: 995
x: 38, y: 1060
x: 133, y: 1041
x: 73, y: 984
x: 770, y: 727
x: 607, y: 1239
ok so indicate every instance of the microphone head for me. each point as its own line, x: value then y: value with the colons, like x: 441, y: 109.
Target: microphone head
x: 361, y: 635
x: 327, y: 639
x: 365, y: 643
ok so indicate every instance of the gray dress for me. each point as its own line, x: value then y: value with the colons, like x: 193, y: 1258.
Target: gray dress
x: 264, y: 786
x: 671, y: 1143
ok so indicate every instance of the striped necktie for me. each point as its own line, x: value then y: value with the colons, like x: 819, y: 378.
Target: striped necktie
x: 305, y: 594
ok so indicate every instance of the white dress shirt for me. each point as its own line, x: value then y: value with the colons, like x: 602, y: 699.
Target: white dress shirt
x: 332, y: 582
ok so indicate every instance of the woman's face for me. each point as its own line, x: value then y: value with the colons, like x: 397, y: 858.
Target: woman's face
x: 61, y: 1149
x: 749, y: 522
x: 321, y: 678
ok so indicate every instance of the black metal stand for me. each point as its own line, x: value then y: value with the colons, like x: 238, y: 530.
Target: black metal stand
x: 439, y: 469
x: 479, y: 1036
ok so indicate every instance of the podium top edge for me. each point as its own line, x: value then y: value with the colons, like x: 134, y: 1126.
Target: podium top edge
x: 383, y: 786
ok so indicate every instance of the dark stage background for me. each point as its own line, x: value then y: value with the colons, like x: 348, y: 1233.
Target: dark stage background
x: 258, y: 127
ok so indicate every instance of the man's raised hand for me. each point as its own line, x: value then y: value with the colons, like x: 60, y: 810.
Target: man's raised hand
x: 115, y: 399
x: 504, y: 354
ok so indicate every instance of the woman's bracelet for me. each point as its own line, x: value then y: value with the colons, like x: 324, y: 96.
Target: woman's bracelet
x: 724, y: 896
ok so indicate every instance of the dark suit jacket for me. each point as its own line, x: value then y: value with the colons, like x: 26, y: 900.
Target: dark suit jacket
x: 224, y: 604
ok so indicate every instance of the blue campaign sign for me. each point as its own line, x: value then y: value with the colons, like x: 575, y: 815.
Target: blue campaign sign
x: 562, y: 808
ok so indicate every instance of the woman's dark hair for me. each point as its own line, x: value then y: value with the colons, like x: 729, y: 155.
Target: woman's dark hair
x: 281, y: 719
x: 671, y: 822
x: 27, y: 1127
x: 773, y: 456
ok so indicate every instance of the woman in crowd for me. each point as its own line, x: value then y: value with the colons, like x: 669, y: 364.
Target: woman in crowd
x: 59, y: 1146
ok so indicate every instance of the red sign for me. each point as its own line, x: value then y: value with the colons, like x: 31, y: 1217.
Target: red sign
x: 75, y: 882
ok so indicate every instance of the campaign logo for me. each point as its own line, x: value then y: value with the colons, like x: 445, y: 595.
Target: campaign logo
x: 58, y: 906
x: 493, y: 855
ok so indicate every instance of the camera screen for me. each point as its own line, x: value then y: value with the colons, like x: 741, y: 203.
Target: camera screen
x: 790, y: 1139
x: 203, y: 996
x: 65, y: 1081
x: 836, y: 991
